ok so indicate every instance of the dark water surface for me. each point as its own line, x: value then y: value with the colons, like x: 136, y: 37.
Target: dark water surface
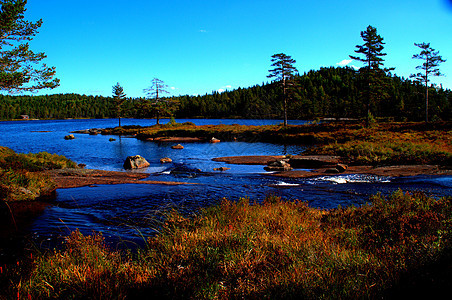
x: 127, y: 212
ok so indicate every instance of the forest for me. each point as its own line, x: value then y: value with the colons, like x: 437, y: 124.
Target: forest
x: 332, y: 92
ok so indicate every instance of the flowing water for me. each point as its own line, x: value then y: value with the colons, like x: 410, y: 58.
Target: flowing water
x: 128, y: 212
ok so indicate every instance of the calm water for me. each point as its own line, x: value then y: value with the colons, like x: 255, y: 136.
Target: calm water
x: 126, y: 212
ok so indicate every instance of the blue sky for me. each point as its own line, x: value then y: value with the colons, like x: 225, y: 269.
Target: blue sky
x: 197, y: 47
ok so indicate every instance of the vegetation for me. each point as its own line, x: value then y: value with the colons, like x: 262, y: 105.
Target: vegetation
x: 283, y: 72
x: 155, y: 103
x: 325, y: 93
x: 274, y: 250
x: 430, y: 67
x: 18, y: 70
x: 20, y: 176
x: 384, y: 143
x: 373, y: 77
x: 118, y: 98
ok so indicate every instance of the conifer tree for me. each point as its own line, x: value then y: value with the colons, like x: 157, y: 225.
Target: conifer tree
x: 118, y: 97
x: 430, y: 67
x: 374, y: 76
x: 154, y: 93
x: 20, y: 68
x: 283, y: 72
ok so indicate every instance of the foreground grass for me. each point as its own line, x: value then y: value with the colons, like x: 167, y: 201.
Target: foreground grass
x: 238, y: 250
x: 19, y: 174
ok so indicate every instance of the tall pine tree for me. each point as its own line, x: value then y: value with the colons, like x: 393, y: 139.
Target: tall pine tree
x: 372, y: 74
x: 429, y: 68
x: 283, y: 72
x: 118, y: 97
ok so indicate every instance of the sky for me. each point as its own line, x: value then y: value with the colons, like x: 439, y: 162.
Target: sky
x: 197, y: 47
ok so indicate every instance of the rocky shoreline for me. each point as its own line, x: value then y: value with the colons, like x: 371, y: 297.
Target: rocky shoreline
x: 320, y: 165
x: 71, y: 178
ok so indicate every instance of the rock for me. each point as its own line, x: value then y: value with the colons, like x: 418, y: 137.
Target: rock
x: 341, y: 167
x: 278, y: 165
x: 214, y: 140
x: 166, y: 160
x: 181, y: 170
x: 313, y: 162
x: 221, y: 169
x: 178, y: 146
x: 112, y: 139
x: 69, y: 137
x: 332, y: 171
x: 135, y: 162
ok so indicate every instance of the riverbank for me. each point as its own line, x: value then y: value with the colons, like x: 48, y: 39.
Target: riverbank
x: 276, y: 250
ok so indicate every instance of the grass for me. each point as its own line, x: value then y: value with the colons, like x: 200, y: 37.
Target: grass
x: 384, y: 143
x: 241, y: 250
x: 20, y: 177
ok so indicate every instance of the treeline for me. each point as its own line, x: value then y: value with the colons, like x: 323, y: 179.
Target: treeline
x: 333, y: 92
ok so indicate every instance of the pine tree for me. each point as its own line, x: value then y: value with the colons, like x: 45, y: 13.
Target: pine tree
x: 154, y: 93
x: 374, y: 77
x: 20, y: 67
x: 283, y: 71
x: 429, y: 68
x: 118, y: 97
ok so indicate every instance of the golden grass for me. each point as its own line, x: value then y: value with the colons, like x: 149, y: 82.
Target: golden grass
x: 241, y: 250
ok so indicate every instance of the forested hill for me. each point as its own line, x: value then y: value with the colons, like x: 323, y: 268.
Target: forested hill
x: 328, y: 92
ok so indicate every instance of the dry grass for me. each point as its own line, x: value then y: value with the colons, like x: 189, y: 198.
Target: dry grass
x: 241, y: 250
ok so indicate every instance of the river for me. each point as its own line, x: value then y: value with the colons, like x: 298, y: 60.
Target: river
x: 128, y: 212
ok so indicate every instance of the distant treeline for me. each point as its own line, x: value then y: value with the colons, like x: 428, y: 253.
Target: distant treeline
x: 325, y: 93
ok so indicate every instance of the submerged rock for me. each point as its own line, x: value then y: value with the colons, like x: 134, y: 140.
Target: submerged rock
x: 69, y: 137
x: 221, y: 169
x: 135, y: 162
x: 166, y: 160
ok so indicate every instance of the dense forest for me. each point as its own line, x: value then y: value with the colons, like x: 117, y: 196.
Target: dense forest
x: 333, y: 92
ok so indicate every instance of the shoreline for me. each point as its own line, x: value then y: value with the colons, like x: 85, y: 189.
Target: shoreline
x: 390, y: 171
x: 73, y: 178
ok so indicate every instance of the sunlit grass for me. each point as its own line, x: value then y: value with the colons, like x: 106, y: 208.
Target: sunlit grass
x: 20, y: 178
x: 272, y: 250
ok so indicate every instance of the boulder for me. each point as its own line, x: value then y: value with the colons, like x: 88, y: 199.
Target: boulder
x: 178, y: 146
x: 278, y: 165
x: 69, y: 137
x: 166, y: 160
x: 135, y: 162
x: 221, y: 169
x: 214, y: 140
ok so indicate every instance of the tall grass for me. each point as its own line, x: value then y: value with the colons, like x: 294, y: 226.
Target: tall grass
x: 243, y: 250
x: 20, y: 177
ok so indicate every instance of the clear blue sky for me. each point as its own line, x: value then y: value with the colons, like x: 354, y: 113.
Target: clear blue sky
x: 197, y: 47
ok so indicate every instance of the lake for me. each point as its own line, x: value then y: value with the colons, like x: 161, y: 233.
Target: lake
x: 127, y: 212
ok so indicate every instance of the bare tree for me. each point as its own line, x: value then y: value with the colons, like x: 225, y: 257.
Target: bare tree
x: 154, y: 93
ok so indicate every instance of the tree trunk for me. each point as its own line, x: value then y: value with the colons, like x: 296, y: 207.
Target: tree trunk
x: 426, y: 96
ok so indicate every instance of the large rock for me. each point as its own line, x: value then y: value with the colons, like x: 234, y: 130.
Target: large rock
x: 178, y: 146
x: 135, y: 162
x: 278, y: 165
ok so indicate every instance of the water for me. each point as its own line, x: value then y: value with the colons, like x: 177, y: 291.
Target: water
x: 125, y: 213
